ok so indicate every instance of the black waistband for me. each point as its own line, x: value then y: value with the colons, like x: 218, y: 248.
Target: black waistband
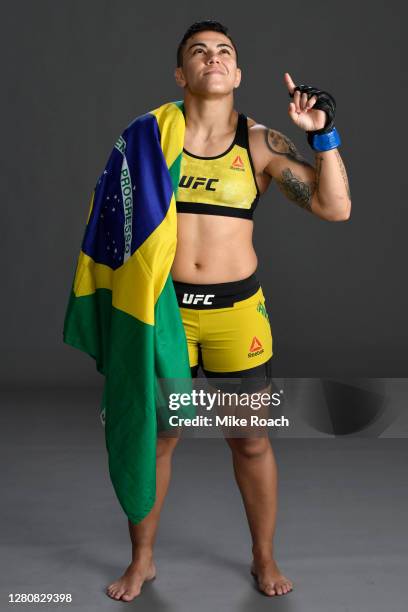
x: 215, y: 295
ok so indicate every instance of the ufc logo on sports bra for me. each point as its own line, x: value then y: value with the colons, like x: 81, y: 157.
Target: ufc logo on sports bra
x: 196, y: 298
x: 199, y: 181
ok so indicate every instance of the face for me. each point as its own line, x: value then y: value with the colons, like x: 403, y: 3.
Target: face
x: 209, y: 65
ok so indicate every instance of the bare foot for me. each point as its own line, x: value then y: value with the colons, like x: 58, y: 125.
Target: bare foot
x: 128, y: 586
x: 269, y: 579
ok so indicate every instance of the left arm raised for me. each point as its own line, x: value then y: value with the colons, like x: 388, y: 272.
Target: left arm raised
x: 322, y: 190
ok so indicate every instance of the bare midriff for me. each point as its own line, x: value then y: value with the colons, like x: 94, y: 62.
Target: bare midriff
x: 213, y: 249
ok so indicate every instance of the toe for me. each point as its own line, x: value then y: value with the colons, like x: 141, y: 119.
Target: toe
x: 130, y: 594
x: 282, y: 587
x: 270, y: 590
x: 112, y: 588
x: 119, y: 593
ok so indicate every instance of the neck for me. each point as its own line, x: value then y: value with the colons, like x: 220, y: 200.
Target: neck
x: 207, y: 117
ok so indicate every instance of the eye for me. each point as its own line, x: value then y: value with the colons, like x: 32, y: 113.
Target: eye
x: 199, y: 49
x: 227, y: 51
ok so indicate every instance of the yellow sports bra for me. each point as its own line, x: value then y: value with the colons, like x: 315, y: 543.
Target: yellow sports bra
x: 221, y: 185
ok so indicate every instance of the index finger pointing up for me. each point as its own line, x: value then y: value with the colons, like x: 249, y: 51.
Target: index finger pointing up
x: 290, y: 84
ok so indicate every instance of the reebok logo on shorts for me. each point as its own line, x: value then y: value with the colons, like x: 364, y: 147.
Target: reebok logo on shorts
x: 255, y: 348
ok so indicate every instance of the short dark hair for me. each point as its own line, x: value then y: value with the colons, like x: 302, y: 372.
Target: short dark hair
x: 201, y: 26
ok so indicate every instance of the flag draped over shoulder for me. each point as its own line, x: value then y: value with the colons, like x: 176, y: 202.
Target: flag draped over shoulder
x: 122, y: 308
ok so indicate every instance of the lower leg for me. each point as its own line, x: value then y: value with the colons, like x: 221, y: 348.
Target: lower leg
x: 143, y: 534
x: 256, y: 475
x: 255, y: 472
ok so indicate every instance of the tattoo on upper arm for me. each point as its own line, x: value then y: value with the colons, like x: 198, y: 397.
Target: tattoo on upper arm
x: 296, y: 190
x: 343, y: 173
x: 281, y: 145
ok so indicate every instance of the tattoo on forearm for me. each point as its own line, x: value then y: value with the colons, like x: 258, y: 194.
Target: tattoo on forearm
x: 343, y: 173
x: 319, y: 163
x: 280, y: 144
x: 296, y: 190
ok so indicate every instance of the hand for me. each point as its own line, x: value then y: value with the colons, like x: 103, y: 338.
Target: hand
x: 301, y: 110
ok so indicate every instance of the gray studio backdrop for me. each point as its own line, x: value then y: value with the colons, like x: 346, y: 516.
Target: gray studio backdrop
x: 74, y: 74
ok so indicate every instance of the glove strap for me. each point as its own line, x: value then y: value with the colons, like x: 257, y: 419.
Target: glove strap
x: 324, y: 142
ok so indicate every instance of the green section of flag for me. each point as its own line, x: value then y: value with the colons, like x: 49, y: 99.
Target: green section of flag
x: 87, y: 325
x: 138, y: 354
x: 174, y: 172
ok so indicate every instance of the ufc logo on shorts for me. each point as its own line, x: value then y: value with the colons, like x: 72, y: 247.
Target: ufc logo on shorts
x: 197, y: 298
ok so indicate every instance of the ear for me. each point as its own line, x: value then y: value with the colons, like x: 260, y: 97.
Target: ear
x: 238, y: 77
x: 179, y: 76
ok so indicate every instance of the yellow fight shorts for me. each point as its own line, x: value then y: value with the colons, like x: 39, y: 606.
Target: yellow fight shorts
x: 227, y: 328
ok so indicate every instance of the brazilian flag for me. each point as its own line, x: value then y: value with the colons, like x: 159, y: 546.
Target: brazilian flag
x: 122, y: 308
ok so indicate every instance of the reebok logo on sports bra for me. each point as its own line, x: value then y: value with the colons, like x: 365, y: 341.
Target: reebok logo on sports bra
x: 238, y: 164
x: 220, y: 185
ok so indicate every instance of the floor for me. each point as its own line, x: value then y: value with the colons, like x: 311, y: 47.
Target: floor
x: 341, y: 534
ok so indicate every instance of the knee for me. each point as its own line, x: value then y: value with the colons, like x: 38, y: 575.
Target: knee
x: 165, y: 447
x: 249, y: 448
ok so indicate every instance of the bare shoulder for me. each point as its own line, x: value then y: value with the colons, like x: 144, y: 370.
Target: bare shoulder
x: 267, y: 143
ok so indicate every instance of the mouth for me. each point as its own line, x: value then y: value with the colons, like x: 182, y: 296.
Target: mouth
x: 214, y: 72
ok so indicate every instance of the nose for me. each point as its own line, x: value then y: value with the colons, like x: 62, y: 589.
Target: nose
x: 213, y: 58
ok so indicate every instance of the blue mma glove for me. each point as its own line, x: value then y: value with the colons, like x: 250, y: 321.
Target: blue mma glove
x: 327, y: 137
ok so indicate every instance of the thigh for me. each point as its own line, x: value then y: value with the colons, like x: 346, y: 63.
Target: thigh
x: 236, y: 339
x: 190, y: 319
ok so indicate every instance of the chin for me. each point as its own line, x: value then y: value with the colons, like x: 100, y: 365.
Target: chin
x: 213, y: 91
